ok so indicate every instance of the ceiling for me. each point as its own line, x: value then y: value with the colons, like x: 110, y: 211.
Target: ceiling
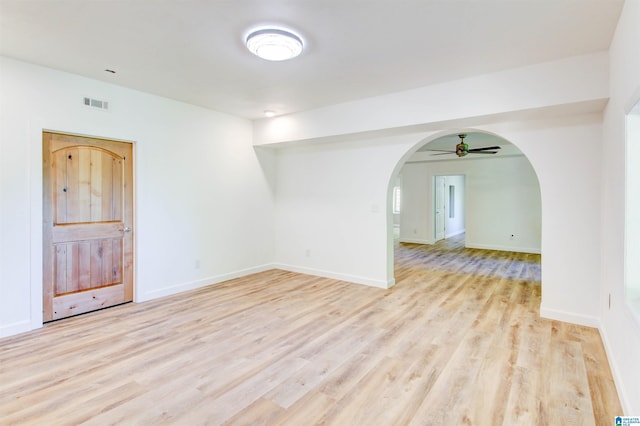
x: 193, y: 50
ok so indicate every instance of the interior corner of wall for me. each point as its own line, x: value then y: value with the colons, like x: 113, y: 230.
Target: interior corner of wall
x: 18, y: 327
x: 569, y: 317
x: 615, y: 368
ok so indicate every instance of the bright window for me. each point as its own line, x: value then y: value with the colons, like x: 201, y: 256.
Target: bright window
x: 452, y: 202
x: 396, y: 200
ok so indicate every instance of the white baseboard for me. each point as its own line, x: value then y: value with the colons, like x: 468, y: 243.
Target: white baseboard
x: 336, y: 276
x: 570, y: 317
x: 17, y: 328
x: 503, y: 248
x: 178, y: 288
x: 27, y: 325
x: 615, y: 372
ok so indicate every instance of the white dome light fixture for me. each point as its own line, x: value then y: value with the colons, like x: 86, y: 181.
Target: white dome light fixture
x: 274, y: 44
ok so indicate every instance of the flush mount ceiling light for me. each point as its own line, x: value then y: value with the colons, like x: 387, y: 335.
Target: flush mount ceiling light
x: 274, y: 44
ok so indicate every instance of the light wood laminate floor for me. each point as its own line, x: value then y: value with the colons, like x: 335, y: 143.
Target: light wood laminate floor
x: 458, y: 340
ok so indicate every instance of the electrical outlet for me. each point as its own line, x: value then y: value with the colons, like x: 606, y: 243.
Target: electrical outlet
x: 307, y: 253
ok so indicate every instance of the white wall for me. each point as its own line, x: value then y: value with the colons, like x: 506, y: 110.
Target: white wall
x: 202, y: 191
x: 621, y: 333
x: 502, y: 198
x: 334, y: 208
x: 416, y: 225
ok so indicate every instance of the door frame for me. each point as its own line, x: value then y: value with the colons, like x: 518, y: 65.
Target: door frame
x: 436, y: 179
x: 47, y: 214
x: 446, y: 206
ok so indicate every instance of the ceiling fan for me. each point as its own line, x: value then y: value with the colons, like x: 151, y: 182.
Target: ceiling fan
x: 462, y: 148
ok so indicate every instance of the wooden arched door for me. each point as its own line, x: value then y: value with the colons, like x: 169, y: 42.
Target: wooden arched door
x: 88, y: 224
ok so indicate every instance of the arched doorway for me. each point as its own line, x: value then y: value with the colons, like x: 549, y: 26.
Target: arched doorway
x: 502, y: 203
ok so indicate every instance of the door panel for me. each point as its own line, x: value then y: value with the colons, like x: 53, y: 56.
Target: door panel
x: 82, y: 265
x: 88, y: 217
x: 88, y: 185
x: 78, y: 303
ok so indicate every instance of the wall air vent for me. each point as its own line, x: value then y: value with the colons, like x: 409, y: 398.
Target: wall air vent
x: 96, y: 103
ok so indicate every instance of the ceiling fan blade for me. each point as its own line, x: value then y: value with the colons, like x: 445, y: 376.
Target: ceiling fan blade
x: 445, y: 153
x: 483, y: 152
x: 484, y: 148
x: 440, y: 150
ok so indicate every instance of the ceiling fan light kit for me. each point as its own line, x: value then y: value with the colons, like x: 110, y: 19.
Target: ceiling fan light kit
x: 462, y: 148
x: 274, y: 44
